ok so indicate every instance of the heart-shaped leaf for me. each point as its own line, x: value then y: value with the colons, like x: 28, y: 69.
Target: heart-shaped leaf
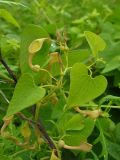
x: 96, y: 42
x: 84, y: 88
x: 26, y: 94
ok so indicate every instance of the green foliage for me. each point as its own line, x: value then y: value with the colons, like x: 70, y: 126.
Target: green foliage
x: 84, y: 86
x: 73, y: 123
x: 63, y: 92
x: 30, y: 33
x: 75, y: 137
x: 26, y: 94
x: 114, y: 150
x: 5, y: 157
x: 96, y: 43
x: 8, y: 17
x: 112, y: 65
x: 76, y: 56
x: 117, y: 129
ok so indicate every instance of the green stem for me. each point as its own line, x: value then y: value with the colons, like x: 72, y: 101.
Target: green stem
x: 102, y: 106
x: 19, y: 152
x: 37, y: 111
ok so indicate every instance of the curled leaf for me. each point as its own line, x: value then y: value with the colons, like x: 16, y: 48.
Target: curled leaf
x: 53, y: 156
x: 34, y: 47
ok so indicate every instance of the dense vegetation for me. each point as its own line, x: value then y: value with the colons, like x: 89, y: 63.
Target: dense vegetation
x: 60, y: 79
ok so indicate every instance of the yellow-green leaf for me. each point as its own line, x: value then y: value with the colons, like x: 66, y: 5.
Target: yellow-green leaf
x: 36, y: 45
x: 84, y: 88
x: 95, y: 41
x: 8, y: 17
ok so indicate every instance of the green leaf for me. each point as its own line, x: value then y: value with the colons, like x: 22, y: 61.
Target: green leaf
x: 78, y: 136
x: 14, y: 3
x: 117, y: 133
x: 36, y: 45
x: 108, y: 126
x: 76, y: 56
x: 2, y: 157
x: 102, y: 139
x: 114, y: 150
x: 76, y: 123
x: 84, y: 88
x: 112, y: 65
x: 110, y: 98
x: 26, y: 94
x: 58, y: 110
x: 31, y: 33
x: 96, y: 42
x: 8, y: 17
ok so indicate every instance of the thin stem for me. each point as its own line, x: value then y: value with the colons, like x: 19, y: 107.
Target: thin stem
x: 48, y: 85
x: 42, y: 130
x: 4, y: 96
x: 102, y: 106
x: 8, y: 68
x: 37, y: 111
x: 19, y: 152
x: 6, y: 79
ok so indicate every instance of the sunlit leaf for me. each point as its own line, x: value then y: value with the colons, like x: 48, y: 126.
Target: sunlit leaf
x: 84, y: 88
x: 96, y: 43
x: 76, y: 56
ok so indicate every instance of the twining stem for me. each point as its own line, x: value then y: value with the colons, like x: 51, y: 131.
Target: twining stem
x: 8, y: 68
x: 43, y: 132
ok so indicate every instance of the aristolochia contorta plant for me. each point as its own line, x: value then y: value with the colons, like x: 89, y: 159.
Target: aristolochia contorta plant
x: 60, y: 78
